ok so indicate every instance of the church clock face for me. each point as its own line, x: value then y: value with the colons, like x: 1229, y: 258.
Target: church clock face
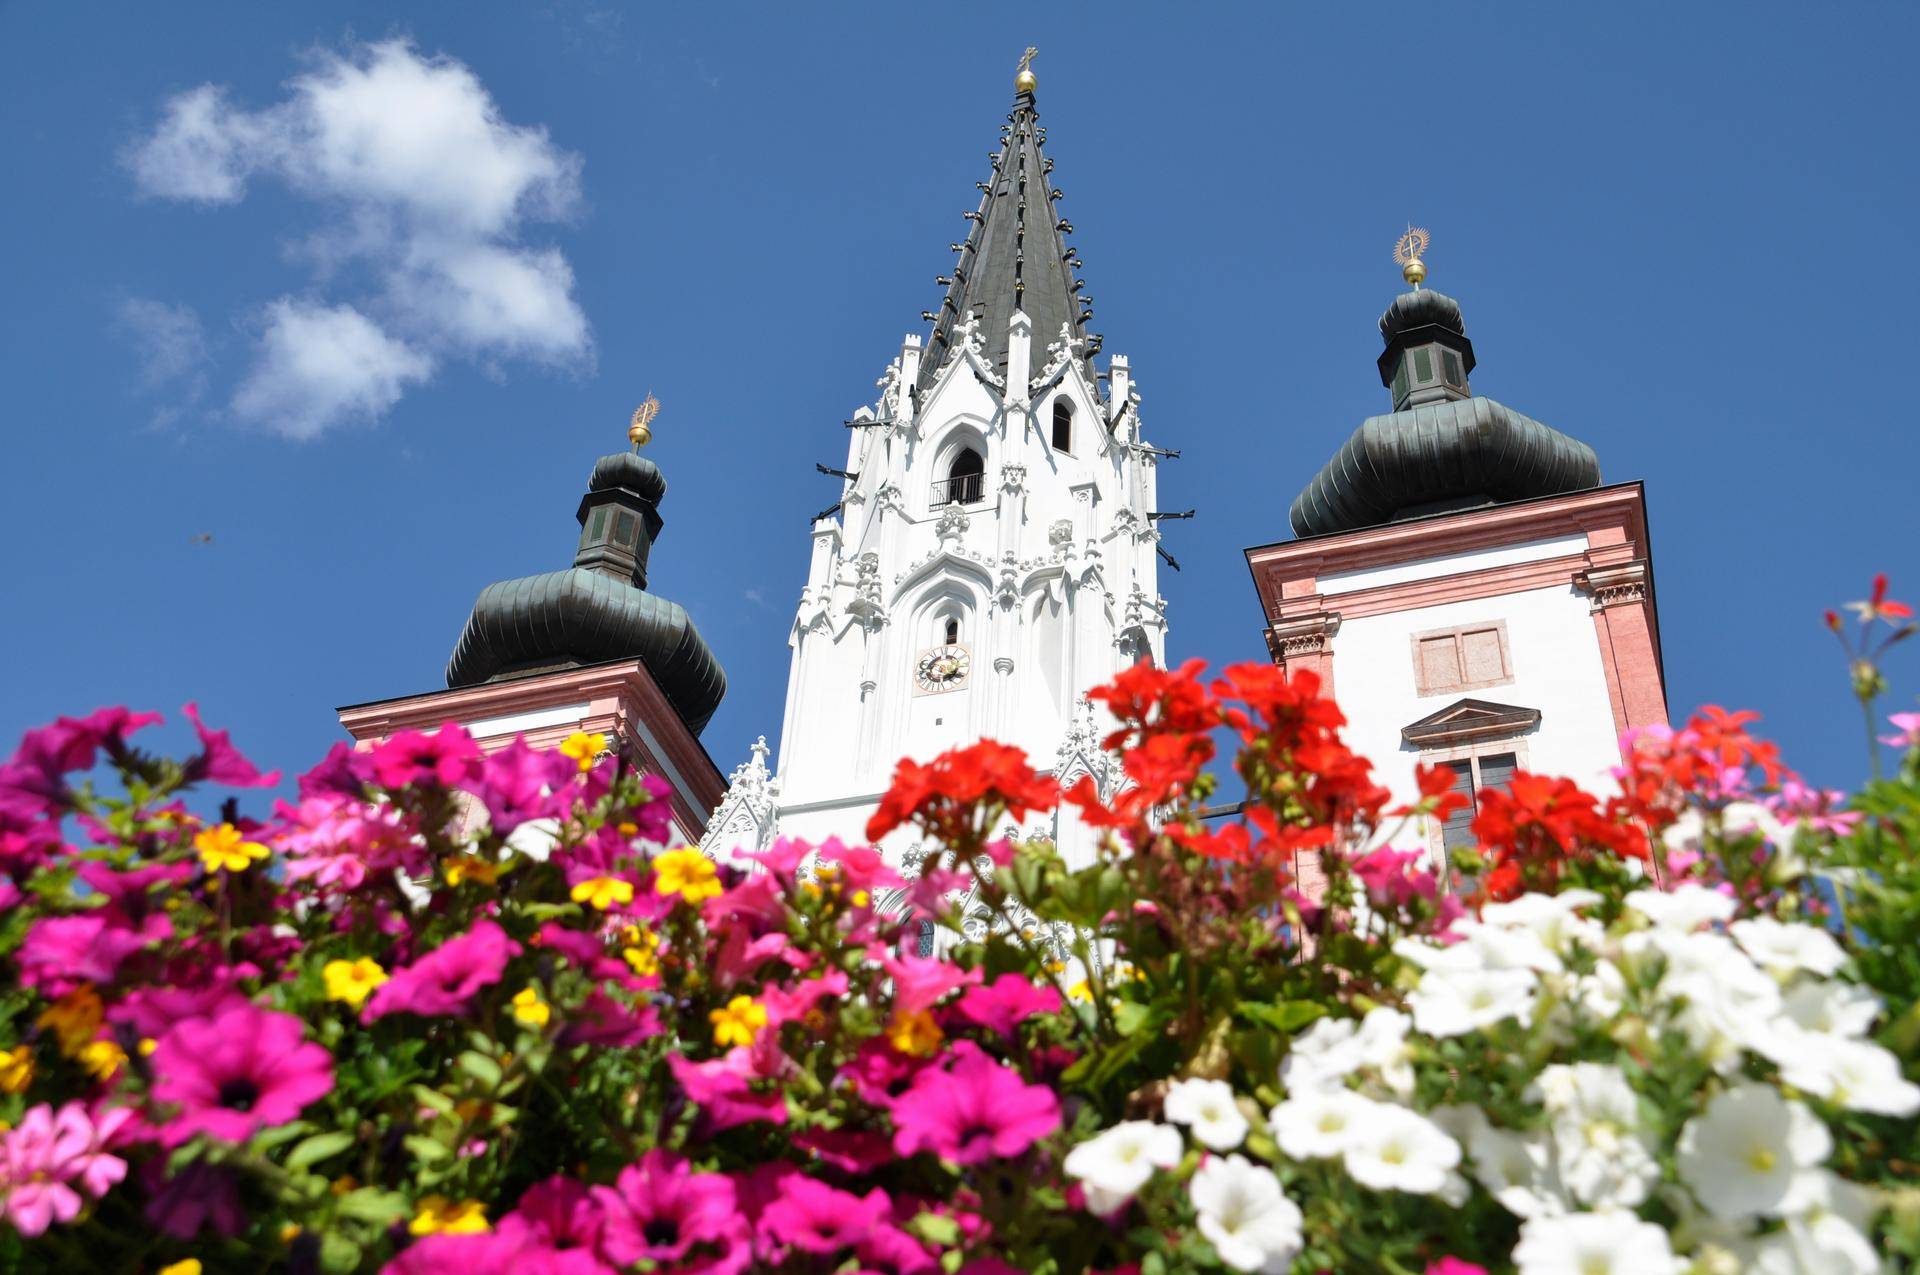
x: 942, y: 668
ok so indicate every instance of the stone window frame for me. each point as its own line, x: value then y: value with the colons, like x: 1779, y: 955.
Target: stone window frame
x: 1425, y: 689
x: 1470, y: 751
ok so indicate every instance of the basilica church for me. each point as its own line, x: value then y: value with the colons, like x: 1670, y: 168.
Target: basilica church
x: 1457, y: 573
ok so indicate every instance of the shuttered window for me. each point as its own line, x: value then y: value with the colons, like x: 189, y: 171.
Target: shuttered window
x: 1471, y: 777
x: 1461, y: 659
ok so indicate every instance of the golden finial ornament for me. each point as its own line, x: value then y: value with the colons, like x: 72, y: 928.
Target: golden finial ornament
x: 1408, y: 251
x: 640, y: 430
x: 1023, y: 79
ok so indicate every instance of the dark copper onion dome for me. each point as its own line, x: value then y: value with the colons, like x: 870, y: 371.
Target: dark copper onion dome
x: 1442, y: 447
x: 599, y: 609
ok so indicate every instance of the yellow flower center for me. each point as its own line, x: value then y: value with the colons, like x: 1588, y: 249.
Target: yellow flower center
x: 530, y: 1009
x: 1762, y: 1160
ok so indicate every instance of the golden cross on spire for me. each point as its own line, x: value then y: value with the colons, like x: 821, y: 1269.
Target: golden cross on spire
x: 1023, y: 79
x: 640, y: 429
x: 1407, y: 253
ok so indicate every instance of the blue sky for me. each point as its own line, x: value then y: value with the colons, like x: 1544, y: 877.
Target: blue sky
x: 378, y: 381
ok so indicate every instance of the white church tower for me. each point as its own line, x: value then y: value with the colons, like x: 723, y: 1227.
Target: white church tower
x: 994, y: 551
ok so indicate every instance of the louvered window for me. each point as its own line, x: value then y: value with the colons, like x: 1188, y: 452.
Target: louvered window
x: 1471, y: 777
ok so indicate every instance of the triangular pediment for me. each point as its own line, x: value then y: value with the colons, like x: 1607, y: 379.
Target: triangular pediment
x: 1470, y: 719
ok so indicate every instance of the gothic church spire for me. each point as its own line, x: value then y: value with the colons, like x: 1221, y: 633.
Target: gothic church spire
x: 1015, y: 255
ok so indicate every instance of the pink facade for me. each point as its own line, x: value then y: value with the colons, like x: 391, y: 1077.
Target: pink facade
x: 618, y: 699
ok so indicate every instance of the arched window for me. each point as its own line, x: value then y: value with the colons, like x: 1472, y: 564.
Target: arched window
x: 953, y: 630
x: 1062, y: 425
x: 965, y: 480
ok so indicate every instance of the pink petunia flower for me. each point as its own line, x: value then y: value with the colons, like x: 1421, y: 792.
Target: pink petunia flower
x: 562, y: 1212
x: 32, y: 781
x: 512, y: 1248
x: 517, y: 784
x: 1908, y: 724
x: 972, y: 1111
x: 724, y: 1094
x: 42, y: 1160
x: 1394, y: 878
x: 220, y: 762
x: 339, y: 841
x: 921, y: 981
x: 817, y: 1218
x: 1454, y: 1266
x: 1007, y: 1002
x: 444, y: 758
x: 442, y: 981
x: 658, y: 1210
x: 343, y: 772
x: 246, y: 1069
x: 59, y: 953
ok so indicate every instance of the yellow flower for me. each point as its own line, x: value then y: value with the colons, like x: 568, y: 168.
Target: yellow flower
x: 222, y: 846
x: 101, y: 1058
x: 147, y: 1045
x: 466, y: 867
x: 440, y: 1216
x: 185, y: 1266
x: 16, y: 1069
x: 915, y: 1035
x: 603, y: 892
x: 352, y: 981
x: 1081, y: 991
x: 642, y: 950
x: 860, y: 898
x: 74, y: 1018
x: 739, y: 1022
x: 687, y: 873
x: 289, y: 1232
x: 583, y: 748
x: 530, y: 1009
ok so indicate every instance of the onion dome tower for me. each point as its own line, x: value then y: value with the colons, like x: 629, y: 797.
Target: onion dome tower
x: 599, y: 608
x: 585, y: 651
x: 1462, y: 582
x: 1442, y: 447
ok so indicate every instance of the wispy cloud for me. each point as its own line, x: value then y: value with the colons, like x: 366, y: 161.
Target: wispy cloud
x: 170, y: 345
x: 424, y: 193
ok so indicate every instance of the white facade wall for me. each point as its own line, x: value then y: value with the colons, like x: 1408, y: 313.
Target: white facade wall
x: 1556, y: 666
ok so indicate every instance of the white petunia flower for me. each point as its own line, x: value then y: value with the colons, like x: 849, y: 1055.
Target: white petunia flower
x: 1784, y: 950
x: 1724, y: 1002
x: 1604, y: 1156
x: 1207, y: 1107
x: 1553, y: 919
x: 1242, y: 1212
x: 1114, y: 1164
x: 1837, y: 1009
x: 1506, y: 948
x: 1687, y: 908
x: 535, y: 838
x: 1322, y: 1057
x: 1741, y: 1156
x: 1517, y: 1170
x: 1856, y: 1074
x: 1453, y: 957
x: 1382, y: 1046
x: 1593, y: 1244
x: 1318, y: 1123
x: 1393, y: 1149
x: 1826, y: 1229
x: 1450, y: 1004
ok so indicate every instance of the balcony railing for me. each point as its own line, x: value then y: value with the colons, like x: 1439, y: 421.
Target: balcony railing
x: 961, y: 489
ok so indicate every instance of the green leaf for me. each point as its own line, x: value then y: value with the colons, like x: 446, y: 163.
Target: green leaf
x: 1132, y: 1018
x: 433, y: 1098
x: 425, y: 1149
x: 267, y: 1139
x: 338, y: 1254
x: 320, y: 1146
x: 480, y: 1067
x: 1287, y: 1016
x: 935, y: 1229
x: 374, y: 1206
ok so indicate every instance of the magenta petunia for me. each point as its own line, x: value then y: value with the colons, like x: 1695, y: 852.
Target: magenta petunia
x: 59, y: 953
x: 562, y: 1212
x: 131, y: 895
x: 724, y: 1094
x: 602, y: 1020
x: 1454, y: 1266
x: 244, y: 1070
x: 974, y: 1110
x: 816, y: 1218
x: 512, y: 1248
x: 659, y: 1210
x: 921, y: 981
x: 445, y: 757
x: 518, y: 784
x: 199, y: 1195
x: 33, y: 782
x: 219, y: 761
x: 442, y: 981
x: 344, y: 772
x: 337, y: 841
x: 1004, y: 1004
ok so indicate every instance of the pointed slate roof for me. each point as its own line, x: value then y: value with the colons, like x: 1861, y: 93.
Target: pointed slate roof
x: 1015, y: 255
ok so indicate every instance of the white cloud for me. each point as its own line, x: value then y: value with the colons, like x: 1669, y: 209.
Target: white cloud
x: 321, y: 366
x: 167, y: 339
x: 421, y: 182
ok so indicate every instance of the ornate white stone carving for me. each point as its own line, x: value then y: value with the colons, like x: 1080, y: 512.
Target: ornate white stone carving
x: 1059, y: 354
x: 748, y: 816
x: 952, y: 524
x: 1013, y: 477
